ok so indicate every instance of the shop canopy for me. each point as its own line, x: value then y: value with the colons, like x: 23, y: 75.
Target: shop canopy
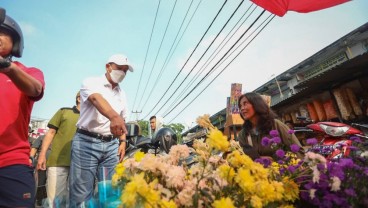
x: 353, y: 69
x: 280, y: 7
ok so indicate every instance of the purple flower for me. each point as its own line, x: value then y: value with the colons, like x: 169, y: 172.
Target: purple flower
x: 350, y: 192
x: 291, y: 169
x: 280, y: 153
x: 320, y: 167
x: 274, y: 133
x: 291, y: 131
x: 335, y: 169
x: 294, y: 147
x: 312, y: 141
x: 264, y: 161
x: 282, y: 171
x: 346, y: 162
x: 353, y: 148
x: 330, y: 198
x: 280, y: 162
x: 365, y: 171
x: 276, y: 140
x: 265, y: 141
x: 355, y: 139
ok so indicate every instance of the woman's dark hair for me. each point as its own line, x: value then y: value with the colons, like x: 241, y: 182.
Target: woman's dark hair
x: 265, y: 115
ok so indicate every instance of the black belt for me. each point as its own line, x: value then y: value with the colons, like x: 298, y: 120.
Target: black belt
x: 105, y: 138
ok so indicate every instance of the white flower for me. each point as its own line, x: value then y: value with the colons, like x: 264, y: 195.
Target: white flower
x: 316, y: 174
x: 335, y: 185
x: 312, y: 192
x: 364, y: 154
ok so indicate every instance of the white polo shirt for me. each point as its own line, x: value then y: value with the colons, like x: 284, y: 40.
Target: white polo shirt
x: 90, y: 118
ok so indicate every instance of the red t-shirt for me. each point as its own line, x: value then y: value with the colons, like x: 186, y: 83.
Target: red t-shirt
x: 15, y: 114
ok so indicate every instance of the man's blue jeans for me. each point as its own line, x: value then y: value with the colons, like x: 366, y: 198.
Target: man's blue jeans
x: 88, y: 157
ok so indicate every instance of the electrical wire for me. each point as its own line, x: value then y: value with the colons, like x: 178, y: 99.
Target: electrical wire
x: 223, y: 27
x: 217, y: 62
x: 190, y: 20
x: 213, y: 55
x: 158, y: 52
x: 192, y: 52
x: 145, y: 58
x: 223, y: 68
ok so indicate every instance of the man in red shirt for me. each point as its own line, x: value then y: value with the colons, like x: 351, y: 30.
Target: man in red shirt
x: 20, y: 87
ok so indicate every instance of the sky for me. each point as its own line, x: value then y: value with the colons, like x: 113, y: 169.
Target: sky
x: 72, y: 40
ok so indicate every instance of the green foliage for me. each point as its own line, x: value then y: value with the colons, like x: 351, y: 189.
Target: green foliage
x: 144, y: 127
x: 178, y: 129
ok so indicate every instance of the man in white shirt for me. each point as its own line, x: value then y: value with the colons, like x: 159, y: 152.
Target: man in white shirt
x: 99, y: 143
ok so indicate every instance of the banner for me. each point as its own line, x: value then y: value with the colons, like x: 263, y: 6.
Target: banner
x: 236, y: 91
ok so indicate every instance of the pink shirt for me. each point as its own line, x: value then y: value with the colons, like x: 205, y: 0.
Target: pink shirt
x: 15, y: 114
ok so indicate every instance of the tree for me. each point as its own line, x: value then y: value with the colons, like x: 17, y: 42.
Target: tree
x: 178, y: 129
x: 144, y: 127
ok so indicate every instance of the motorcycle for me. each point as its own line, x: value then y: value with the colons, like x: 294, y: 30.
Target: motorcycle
x: 334, y: 138
x: 161, y: 142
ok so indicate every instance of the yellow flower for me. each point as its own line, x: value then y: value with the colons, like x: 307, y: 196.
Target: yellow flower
x: 238, y: 160
x: 138, y: 156
x: 223, y: 202
x: 217, y: 140
x: 226, y: 172
x: 130, y: 196
x: 286, y: 206
x: 279, y: 190
x: 138, y: 191
x: 291, y: 189
x: 259, y: 172
x: 115, y: 180
x: 119, y: 173
x: 167, y: 204
x: 245, y: 180
x: 119, y: 169
x: 265, y: 191
x: 204, y: 121
x: 255, y: 201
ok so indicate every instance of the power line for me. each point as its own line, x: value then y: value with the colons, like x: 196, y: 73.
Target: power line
x: 208, y: 61
x: 195, y: 11
x: 216, y: 63
x: 223, y: 27
x: 191, y: 53
x: 158, y: 52
x: 224, y: 67
x: 145, y: 58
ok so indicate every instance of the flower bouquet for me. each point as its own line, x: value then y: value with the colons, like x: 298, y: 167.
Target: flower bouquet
x: 223, y: 176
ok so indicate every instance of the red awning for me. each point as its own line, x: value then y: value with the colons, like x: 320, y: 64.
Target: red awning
x: 280, y: 7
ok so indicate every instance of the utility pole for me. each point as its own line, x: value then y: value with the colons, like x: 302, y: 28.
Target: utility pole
x: 278, y: 86
x: 137, y: 114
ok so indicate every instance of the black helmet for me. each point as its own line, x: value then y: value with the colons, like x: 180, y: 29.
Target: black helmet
x: 16, y: 33
x: 166, y: 137
x: 133, y: 129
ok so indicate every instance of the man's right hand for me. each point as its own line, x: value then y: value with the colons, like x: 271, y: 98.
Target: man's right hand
x: 117, y: 126
x: 41, y: 164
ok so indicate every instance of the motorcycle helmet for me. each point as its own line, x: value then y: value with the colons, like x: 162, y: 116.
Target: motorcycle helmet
x: 133, y: 129
x: 13, y: 28
x: 166, y: 138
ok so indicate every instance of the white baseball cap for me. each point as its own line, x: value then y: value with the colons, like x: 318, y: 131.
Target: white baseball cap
x: 120, y: 59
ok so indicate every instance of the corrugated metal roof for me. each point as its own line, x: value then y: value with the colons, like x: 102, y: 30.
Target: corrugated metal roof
x: 350, y: 70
